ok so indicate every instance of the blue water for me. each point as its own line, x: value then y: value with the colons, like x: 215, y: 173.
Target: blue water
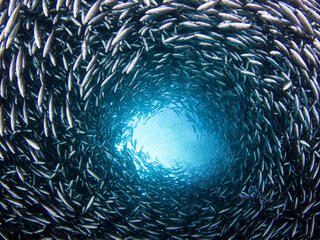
x: 175, y: 142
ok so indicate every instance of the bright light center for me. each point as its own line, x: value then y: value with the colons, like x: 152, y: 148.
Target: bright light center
x: 172, y: 140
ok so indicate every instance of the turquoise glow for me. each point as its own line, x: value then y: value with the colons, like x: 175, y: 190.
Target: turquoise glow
x: 172, y: 140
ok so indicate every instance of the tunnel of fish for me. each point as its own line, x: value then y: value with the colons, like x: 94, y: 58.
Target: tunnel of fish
x: 74, y: 73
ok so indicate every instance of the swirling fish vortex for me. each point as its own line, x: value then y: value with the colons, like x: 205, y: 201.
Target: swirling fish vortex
x: 75, y: 73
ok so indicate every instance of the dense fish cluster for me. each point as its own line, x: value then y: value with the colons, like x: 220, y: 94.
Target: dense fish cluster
x: 73, y: 74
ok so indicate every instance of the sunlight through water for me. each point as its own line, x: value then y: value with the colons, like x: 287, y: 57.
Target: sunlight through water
x: 174, y: 142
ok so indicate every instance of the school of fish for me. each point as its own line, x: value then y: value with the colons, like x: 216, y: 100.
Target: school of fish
x: 73, y: 73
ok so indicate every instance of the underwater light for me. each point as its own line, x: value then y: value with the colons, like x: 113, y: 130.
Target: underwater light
x: 171, y: 140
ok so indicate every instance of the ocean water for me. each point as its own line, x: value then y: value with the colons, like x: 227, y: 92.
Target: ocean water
x: 159, y: 119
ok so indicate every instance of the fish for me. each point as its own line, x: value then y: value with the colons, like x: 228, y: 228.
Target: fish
x: 10, y: 23
x: 37, y: 36
x: 92, y: 12
x: 76, y: 75
x: 47, y: 45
